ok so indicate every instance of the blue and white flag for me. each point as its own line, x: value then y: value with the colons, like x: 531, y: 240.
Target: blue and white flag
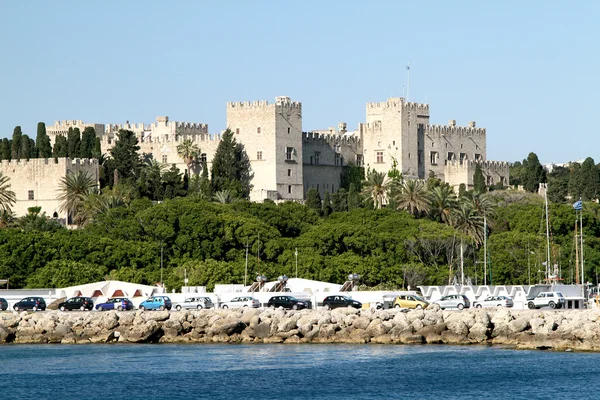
x: 578, y: 205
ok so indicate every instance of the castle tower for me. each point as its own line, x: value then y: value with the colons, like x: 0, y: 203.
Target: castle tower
x: 395, y: 132
x: 272, y: 136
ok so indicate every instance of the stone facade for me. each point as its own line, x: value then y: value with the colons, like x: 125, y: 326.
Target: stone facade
x: 286, y: 161
x: 36, y: 182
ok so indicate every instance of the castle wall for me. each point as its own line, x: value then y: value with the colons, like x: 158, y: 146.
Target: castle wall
x: 40, y: 178
x: 61, y: 128
x: 457, y: 172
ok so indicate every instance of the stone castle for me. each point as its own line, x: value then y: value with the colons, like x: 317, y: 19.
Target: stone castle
x: 287, y: 161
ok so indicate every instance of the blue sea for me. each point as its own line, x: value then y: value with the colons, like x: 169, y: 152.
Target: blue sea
x: 305, y: 371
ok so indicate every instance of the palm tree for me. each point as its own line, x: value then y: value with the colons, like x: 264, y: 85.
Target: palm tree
x: 466, y: 220
x: 189, y: 151
x: 413, y: 197
x: 7, y: 196
x: 74, y: 189
x: 375, y: 188
x: 7, y: 218
x: 482, y: 204
x: 442, y: 204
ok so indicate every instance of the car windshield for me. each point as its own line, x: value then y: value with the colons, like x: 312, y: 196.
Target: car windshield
x: 559, y: 294
x: 346, y: 298
x: 418, y: 298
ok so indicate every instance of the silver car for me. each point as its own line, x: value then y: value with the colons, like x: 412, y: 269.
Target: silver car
x: 242, y: 301
x: 494, y: 301
x: 459, y: 301
x: 195, y: 303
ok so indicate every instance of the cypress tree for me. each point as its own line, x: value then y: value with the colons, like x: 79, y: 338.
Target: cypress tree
x: 60, y: 147
x: 44, y: 149
x: 5, y: 151
x: 231, y: 168
x: 339, y: 201
x: 88, y: 142
x: 313, y: 200
x: 97, y: 152
x: 15, y: 150
x: 326, y: 209
x: 74, y: 143
x: 26, y: 149
x: 478, y: 180
x: 533, y: 173
x: 205, y: 186
x: 126, y: 159
x: 353, y: 198
x: 589, y: 175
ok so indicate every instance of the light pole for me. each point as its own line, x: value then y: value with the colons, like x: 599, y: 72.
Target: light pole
x: 296, y: 254
x: 161, y: 267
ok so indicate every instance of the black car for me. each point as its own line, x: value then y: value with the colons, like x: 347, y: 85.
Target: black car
x: 77, y: 303
x: 30, y: 303
x: 287, y: 302
x: 3, y: 304
x: 331, y: 302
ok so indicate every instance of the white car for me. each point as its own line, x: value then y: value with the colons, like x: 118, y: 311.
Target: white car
x: 195, y: 303
x: 550, y: 299
x: 242, y: 301
x: 494, y: 301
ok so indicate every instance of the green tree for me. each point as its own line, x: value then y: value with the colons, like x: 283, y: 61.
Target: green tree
x: 352, y: 175
x: 375, y: 188
x: 576, y: 182
x: 189, y: 152
x: 413, y: 197
x: 42, y: 142
x: 74, y: 189
x: 61, y: 147
x: 88, y: 143
x: 97, y: 151
x: 353, y: 198
x: 313, y: 200
x: 7, y: 196
x: 326, y: 207
x: 339, y: 201
x: 5, y: 150
x: 589, y: 175
x: 125, y: 157
x: 16, y: 143
x: 27, y: 147
x: 64, y: 273
x: 442, y: 204
x: 172, y: 183
x: 73, y: 143
x: 558, y: 184
x: 462, y: 189
x: 231, y: 168
x: 205, y: 185
x: 479, y: 180
x: 533, y: 174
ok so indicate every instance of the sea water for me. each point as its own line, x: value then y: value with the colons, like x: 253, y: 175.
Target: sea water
x: 307, y: 371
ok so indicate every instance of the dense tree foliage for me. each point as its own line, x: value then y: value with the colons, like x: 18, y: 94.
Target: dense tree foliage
x: 42, y: 142
x: 231, y: 168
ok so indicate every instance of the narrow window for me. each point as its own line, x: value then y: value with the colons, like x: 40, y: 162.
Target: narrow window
x: 203, y: 158
x: 30, y: 194
x: 289, y: 153
x: 311, y: 160
x: 164, y: 158
x: 478, y: 157
x: 289, y: 129
x: 258, y: 130
x: 317, y: 155
x: 433, y: 157
x: 237, y: 131
x: 289, y: 172
x: 289, y: 188
x: 337, y: 159
x: 359, y: 160
x: 259, y: 155
x: 379, y: 156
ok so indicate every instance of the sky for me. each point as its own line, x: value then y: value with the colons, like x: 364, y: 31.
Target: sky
x: 527, y: 71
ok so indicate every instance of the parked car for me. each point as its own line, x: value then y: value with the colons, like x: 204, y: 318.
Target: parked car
x: 550, y: 299
x: 494, y: 301
x: 459, y: 301
x: 156, y: 303
x: 3, y: 304
x: 242, y: 301
x: 77, y: 303
x: 410, y: 301
x: 195, y: 303
x: 331, y: 302
x: 116, y: 303
x: 287, y: 302
x: 30, y: 303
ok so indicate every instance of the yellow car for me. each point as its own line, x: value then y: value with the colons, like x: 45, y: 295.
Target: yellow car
x: 410, y: 301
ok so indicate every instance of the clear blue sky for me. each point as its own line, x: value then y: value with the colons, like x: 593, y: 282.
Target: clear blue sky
x: 528, y: 71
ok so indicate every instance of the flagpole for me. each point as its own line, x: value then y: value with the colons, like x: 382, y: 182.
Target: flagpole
x: 581, y: 245
x: 408, y: 81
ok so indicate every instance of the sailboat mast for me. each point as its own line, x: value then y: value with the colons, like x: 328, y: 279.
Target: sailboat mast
x: 576, y: 255
x: 581, y: 245
x: 547, y: 236
x: 484, y: 250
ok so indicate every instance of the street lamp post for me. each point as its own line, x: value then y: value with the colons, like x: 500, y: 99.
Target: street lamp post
x: 296, y: 254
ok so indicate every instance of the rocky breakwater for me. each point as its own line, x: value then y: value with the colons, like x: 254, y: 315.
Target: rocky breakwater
x: 527, y: 329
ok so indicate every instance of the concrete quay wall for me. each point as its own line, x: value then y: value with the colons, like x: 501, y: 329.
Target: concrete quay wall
x: 522, y: 329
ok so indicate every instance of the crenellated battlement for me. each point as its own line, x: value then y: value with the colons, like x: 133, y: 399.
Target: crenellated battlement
x: 471, y: 164
x: 335, y: 138
x: 108, y: 141
x: 283, y: 102
x: 451, y: 130
x: 400, y: 102
x: 66, y: 124
x: 39, y: 162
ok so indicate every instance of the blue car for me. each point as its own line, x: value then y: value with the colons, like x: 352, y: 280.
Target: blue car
x: 156, y: 303
x: 116, y: 303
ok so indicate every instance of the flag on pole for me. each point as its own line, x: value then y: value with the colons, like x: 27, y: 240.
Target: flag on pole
x: 578, y: 205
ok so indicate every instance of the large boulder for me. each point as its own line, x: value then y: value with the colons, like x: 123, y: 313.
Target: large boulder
x: 518, y: 325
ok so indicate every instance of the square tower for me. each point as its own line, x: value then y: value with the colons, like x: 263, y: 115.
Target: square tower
x: 272, y: 136
x: 395, y: 132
